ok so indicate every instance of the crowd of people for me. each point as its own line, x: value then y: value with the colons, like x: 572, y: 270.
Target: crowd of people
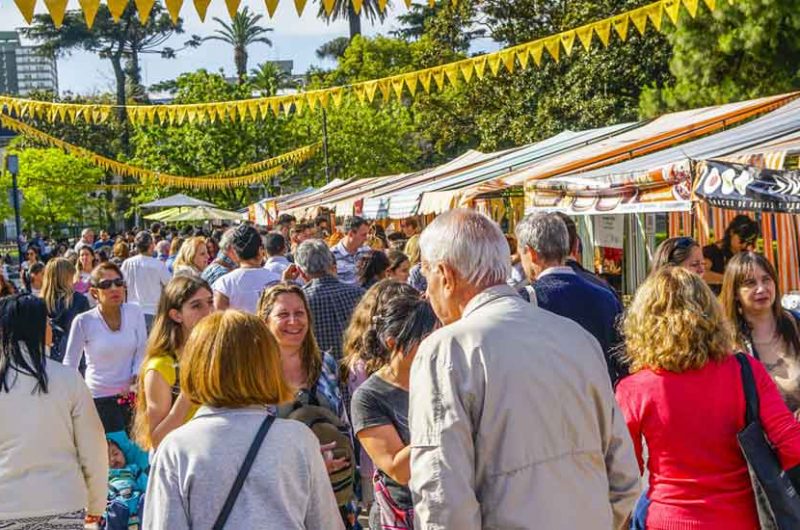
x: 303, y: 376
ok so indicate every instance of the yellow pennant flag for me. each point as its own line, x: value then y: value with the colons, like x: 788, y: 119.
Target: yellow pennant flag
x: 494, y: 62
x: 117, y: 7
x: 508, y: 57
x: 411, y: 82
x: 300, y: 5
x: 252, y: 109
x: 324, y: 95
x: 360, y: 93
x: 568, y: 41
x: 691, y: 7
x: 467, y: 69
x: 480, y: 65
x: 425, y: 80
x: 603, y: 29
x: 299, y: 104
x: 174, y: 9
x: 56, y: 8
x: 201, y: 6
x: 452, y: 74
x: 639, y: 19
x: 233, y: 7
x: 328, y: 5
x: 585, y: 36
x: 672, y: 7
x: 655, y: 13
x: 26, y: 7
x: 397, y: 85
x: 337, y: 94
x: 523, y: 56
x: 357, y: 6
x: 143, y: 7
x: 438, y: 76
x: 272, y: 6
x: 370, y: 88
x: 275, y: 106
x: 408, y: 3
x: 386, y: 90
x: 382, y: 5
x: 311, y: 98
x: 537, y: 50
x: 191, y: 114
x: 712, y: 4
x: 621, y: 25
x: 553, y: 45
x: 62, y: 112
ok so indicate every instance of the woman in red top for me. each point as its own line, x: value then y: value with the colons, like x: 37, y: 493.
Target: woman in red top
x: 685, y: 400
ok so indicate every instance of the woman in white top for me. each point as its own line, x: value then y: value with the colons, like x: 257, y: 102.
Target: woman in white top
x: 192, y: 257
x: 83, y: 272
x: 112, y: 337
x: 231, y: 366
x: 53, y: 456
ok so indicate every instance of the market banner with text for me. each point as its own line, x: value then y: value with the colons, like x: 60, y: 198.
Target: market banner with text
x: 744, y: 187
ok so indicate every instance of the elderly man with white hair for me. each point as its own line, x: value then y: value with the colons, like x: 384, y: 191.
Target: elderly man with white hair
x: 512, y: 416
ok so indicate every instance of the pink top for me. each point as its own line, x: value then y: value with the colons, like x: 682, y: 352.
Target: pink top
x: 698, y: 476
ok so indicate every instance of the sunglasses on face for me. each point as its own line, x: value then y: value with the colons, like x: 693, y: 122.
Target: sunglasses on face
x: 108, y: 284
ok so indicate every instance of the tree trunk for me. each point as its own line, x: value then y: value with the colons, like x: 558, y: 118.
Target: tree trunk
x: 122, y: 114
x: 240, y: 58
x: 354, y: 20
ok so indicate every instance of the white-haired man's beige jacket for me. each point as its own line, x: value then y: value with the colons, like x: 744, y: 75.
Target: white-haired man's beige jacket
x: 514, y: 424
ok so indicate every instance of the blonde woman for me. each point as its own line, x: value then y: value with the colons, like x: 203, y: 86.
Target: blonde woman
x: 160, y: 406
x: 231, y: 366
x: 192, y: 257
x: 63, y: 303
x: 83, y: 271
x: 685, y: 397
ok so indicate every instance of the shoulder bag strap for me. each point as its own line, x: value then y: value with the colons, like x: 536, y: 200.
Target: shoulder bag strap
x: 750, y: 392
x: 219, y: 524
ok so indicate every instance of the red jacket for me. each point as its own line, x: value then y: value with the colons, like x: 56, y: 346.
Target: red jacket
x: 698, y: 477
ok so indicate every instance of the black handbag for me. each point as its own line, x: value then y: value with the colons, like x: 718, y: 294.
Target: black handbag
x: 222, y: 518
x: 776, y: 499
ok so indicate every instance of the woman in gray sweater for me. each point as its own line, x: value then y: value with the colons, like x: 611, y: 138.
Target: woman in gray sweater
x: 231, y: 366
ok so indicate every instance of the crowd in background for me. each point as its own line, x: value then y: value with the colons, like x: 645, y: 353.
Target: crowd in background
x: 451, y: 377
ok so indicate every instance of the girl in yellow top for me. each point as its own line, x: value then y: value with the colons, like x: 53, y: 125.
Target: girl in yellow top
x: 160, y: 406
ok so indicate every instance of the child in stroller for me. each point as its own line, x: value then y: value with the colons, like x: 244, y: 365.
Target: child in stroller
x: 127, y: 481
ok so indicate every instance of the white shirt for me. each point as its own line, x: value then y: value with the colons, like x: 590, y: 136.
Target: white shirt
x: 244, y: 286
x: 278, y: 264
x: 146, y: 276
x: 53, y: 455
x: 112, y: 357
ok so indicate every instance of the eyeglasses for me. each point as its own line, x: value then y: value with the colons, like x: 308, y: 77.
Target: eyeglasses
x: 108, y: 284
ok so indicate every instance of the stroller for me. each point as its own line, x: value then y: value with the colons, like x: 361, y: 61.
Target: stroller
x: 126, y: 486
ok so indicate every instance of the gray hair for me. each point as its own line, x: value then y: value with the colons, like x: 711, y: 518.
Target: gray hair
x: 469, y: 242
x: 314, y: 258
x: 545, y: 233
x: 226, y: 241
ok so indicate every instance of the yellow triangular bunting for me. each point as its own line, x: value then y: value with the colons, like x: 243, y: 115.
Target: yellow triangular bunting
x: 144, y: 7
x: 300, y: 5
x: 328, y: 5
x: 382, y: 5
x: 508, y: 57
x: 438, y: 76
x: 117, y: 7
x: 655, y: 13
x: 494, y: 62
x: 639, y: 19
x: 233, y: 7
x: 201, y: 6
x: 360, y: 93
x: 174, y: 9
x: 585, y: 36
x: 712, y: 4
x: 357, y: 6
x: 386, y: 90
x: 424, y: 78
x: 480, y: 66
x: 311, y: 98
x: 553, y: 45
x: 603, y: 29
x: 691, y: 7
x: 452, y: 74
x: 537, y: 50
x: 337, y: 94
x: 272, y: 5
x: 411, y: 83
x: 568, y: 41
x: 523, y: 56
x: 324, y: 95
x: 56, y: 8
x: 672, y: 7
x: 26, y: 7
x: 397, y: 86
x: 621, y: 26
x: 369, y: 89
x: 467, y: 69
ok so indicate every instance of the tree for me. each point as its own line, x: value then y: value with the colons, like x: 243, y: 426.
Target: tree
x: 344, y: 10
x: 746, y: 50
x: 241, y: 33
x: 268, y: 78
x: 119, y: 42
x: 451, y: 25
x: 57, y: 189
x: 333, y: 49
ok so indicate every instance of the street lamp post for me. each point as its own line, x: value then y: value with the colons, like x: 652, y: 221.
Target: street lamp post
x: 12, y: 164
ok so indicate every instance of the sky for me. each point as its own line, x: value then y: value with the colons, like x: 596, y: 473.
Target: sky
x: 294, y: 38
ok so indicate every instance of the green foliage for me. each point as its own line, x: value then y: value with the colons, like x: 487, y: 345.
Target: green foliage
x: 243, y: 31
x: 745, y: 50
x: 54, y: 185
x: 343, y: 10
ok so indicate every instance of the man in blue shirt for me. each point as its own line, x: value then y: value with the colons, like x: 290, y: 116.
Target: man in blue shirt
x: 544, y: 249
x: 351, y: 248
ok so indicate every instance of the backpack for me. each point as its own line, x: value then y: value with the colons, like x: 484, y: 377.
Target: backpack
x: 327, y: 427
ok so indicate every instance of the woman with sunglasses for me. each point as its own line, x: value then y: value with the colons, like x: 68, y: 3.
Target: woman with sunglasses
x: 680, y: 252
x: 112, y: 338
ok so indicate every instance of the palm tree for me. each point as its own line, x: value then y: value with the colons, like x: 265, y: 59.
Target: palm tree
x: 267, y: 78
x: 344, y: 10
x: 241, y: 33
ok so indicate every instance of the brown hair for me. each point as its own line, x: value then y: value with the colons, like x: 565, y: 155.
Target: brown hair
x: 231, y: 360
x: 310, y: 355
x: 121, y: 250
x: 738, y: 270
x: 675, y: 323
x: 97, y: 272
x: 166, y: 339
x: 396, y: 258
x: 58, y: 283
x: 673, y: 251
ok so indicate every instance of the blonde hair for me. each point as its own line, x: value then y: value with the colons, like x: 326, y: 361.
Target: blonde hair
x: 231, y: 360
x: 187, y: 253
x: 121, y: 250
x: 166, y: 339
x: 58, y: 282
x: 675, y: 323
x: 310, y: 355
